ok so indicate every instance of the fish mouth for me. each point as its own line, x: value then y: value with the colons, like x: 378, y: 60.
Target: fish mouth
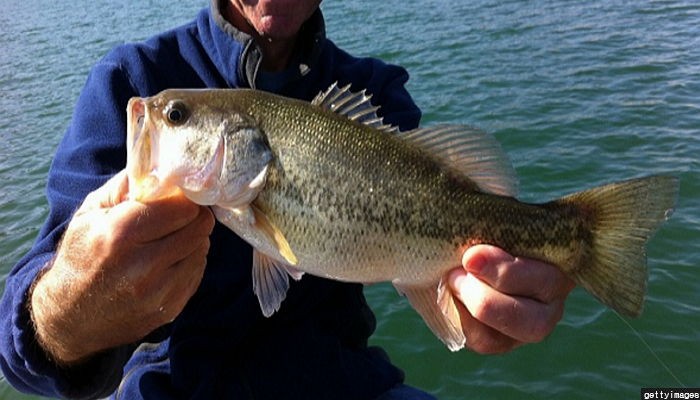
x: 152, y: 174
x: 141, y: 146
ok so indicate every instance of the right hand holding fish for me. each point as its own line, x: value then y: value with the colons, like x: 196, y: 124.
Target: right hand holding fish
x: 123, y: 269
x: 507, y: 301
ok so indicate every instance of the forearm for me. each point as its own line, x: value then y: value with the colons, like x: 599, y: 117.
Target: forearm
x: 54, y: 324
x: 24, y: 362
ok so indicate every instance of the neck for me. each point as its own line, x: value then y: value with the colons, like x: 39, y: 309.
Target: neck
x: 276, y: 53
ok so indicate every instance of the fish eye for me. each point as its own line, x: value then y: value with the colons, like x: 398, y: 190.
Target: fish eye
x: 176, y: 112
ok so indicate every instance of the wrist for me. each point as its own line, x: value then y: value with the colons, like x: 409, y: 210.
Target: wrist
x: 53, y: 326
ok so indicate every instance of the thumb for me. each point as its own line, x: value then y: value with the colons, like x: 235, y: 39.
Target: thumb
x: 479, y: 259
x: 110, y: 194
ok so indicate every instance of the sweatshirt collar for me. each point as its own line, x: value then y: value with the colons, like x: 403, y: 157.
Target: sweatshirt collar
x: 240, y: 58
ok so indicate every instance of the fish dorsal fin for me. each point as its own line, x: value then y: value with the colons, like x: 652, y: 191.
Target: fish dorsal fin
x: 472, y: 152
x: 355, y: 106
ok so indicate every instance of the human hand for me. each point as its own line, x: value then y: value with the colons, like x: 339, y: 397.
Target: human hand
x: 507, y: 301
x: 123, y: 269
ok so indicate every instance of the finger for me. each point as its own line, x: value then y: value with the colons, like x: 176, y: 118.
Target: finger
x: 167, y: 287
x: 517, y: 276
x: 110, y: 193
x: 156, y: 256
x: 521, y: 318
x: 185, y: 277
x: 143, y: 223
x: 182, y: 243
x: 482, y: 338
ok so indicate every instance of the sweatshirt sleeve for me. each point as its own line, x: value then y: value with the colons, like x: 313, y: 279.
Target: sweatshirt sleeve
x: 397, y: 105
x: 91, y: 151
x: 385, y: 82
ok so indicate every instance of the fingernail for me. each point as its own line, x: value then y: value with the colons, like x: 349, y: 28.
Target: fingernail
x: 474, y: 263
x: 457, y: 276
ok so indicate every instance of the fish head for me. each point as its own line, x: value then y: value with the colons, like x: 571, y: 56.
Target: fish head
x: 196, y: 141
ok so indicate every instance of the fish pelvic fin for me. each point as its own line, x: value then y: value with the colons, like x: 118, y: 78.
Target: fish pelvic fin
x: 625, y: 215
x: 436, y: 304
x: 273, y: 258
x: 271, y: 282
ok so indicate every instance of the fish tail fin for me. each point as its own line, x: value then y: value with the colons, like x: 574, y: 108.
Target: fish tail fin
x: 624, y: 216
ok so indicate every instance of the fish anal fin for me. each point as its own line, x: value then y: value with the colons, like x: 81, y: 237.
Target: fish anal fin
x: 437, y: 307
x: 471, y: 152
x: 446, y: 303
x: 274, y: 235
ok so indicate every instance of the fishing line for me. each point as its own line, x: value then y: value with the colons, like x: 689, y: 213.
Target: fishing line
x: 653, y: 353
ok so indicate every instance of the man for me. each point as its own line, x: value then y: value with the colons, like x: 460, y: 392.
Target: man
x: 155, y: 301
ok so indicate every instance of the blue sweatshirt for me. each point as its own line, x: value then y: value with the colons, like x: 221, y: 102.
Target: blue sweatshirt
x: 220, y: 346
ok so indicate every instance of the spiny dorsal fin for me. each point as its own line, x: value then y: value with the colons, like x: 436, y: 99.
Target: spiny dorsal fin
x: 473, y: 152
x: 355, y: 106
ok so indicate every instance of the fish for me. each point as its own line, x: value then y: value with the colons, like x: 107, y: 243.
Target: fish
x: 327, y: 188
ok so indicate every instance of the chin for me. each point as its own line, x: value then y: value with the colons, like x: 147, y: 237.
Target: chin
x: 278, y: 27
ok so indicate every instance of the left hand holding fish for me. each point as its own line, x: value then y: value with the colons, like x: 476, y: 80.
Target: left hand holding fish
x: 507, y: 301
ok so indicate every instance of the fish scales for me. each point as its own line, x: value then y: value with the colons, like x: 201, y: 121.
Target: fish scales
x: 325, y: 188
x: 337, y: 181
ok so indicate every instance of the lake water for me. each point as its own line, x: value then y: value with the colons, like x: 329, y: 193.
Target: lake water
x: 579, y: 92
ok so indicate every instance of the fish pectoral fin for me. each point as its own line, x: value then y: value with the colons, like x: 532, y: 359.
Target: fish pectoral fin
x: 435, y: 303
x: 271, y: 281
x: 234, y: 218
x: 274, y: 235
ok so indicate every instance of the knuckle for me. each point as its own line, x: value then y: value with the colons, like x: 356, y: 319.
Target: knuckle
x: 539, y: 329
x: 169, y: 314
x: 117, y: 232
x: 490, y: 343
x: 209, y: 218
x: 542, y: 324
x: 197, y: 259
x: 205, y: 223
x: 204, y: 249
x: 186, y: 209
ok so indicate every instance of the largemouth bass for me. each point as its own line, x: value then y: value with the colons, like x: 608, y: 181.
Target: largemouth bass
x: 326, y: 188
